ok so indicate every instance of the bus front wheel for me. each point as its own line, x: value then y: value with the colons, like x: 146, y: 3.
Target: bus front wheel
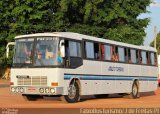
x: 73, y: 93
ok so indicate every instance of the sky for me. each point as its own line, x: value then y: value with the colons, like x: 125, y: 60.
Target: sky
x: 154, y: 16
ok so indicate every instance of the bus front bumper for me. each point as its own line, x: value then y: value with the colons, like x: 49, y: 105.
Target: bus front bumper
x: 37, y: 90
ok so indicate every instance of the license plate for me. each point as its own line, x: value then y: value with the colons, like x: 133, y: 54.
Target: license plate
x: 31, y: 89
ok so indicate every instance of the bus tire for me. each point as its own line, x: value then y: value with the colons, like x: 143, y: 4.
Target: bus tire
x: 101, y: 96
x: 31, y: 97
x: 73, y: 94
x: 135, y: 91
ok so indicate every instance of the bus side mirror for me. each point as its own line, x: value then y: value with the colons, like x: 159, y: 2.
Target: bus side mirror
x: 62, y: 48
x: 7, y: 48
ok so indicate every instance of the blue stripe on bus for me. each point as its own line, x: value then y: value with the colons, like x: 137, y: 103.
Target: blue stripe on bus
x: 83, y: 77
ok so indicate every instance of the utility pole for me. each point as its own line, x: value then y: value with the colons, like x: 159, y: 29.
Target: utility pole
x: 155, y: 36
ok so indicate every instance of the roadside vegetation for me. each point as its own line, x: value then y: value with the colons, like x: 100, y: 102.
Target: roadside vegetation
x: 109, y: 19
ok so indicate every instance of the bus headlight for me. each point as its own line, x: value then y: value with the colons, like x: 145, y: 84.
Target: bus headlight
x: 13, y: 90
x: 52, y: 90
x: 21, y: 90
x: 17, y: 90
x: 41, y: 90
x: 47, y: 90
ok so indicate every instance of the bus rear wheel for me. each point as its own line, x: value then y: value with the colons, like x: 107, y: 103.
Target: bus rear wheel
x: 73, y: 94
x: 135, y: 93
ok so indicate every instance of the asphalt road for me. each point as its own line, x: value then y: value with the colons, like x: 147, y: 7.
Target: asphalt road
x: 146, y: 100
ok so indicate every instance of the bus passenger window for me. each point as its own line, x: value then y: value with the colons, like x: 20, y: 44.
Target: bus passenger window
x: 129, y: 56
x: 112, y: 53
x: 156, y: 62
x: 96, y: 51
x: 153, y: 58
x: 89, y: 50
x: 140, y: 57
x: 137, y: 56
x: 107, y: 52
x: 116, y: 55
x: 112, y: 58
x: 102, y: 51
x: 125, y: 55
x: 133, y: 56
x: 140, y: 60
x: 66, y: 48
x: 74, y: 49
x: 120, y: 55
x: 144, y: 57
x: 148, y: 58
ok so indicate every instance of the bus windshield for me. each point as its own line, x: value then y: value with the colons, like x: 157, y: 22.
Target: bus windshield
x: 23, y: 49
x: 41, y: 51
x: 46, y: 51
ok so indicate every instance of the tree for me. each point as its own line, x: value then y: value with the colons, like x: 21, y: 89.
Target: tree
x: 22, y: 17
x: 157, y: 43
x: 109, y: 19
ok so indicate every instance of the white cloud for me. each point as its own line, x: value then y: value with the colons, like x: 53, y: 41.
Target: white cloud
x: 155, y: 3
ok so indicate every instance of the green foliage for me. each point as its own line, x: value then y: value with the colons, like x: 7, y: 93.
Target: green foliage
x: 110, y: 19
x: 157, y: 43
x: 21, y: 17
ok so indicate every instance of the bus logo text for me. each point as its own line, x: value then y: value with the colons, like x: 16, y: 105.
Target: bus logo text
x: 118, y: 69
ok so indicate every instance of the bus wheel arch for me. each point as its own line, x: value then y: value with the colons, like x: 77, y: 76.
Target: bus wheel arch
x: 74, y: 90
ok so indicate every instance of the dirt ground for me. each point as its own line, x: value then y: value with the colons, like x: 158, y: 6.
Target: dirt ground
x: 146, y: 100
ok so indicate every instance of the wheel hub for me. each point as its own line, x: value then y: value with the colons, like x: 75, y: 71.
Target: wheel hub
x: 72, y: 92
x: 135, y: 90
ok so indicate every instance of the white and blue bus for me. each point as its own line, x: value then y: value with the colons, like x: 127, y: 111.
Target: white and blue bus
x: 70, y: 65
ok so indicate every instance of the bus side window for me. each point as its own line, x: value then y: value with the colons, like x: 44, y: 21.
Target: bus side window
x: 153, y: 59
x: 148, y: 58
x: 129, y: 56
x: 89, y: 50
x: 66, y: 48
x: 115, y: 56
x: 125, y: 55
x: 108, y: 52
x: 102, y: 51
x: 133, y: 56
x: 121, y: 54
x: 74, y: 49
x: 140, y: 57
x: 137, y: 56
x: 96, y: 51
x: 156, y: 62
x: 144, y: 57
x: 113, y: 52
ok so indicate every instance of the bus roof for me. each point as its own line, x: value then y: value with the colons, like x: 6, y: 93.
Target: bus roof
x: 77, y: 36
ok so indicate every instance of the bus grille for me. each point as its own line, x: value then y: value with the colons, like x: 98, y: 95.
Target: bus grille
x: 33, y: 80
